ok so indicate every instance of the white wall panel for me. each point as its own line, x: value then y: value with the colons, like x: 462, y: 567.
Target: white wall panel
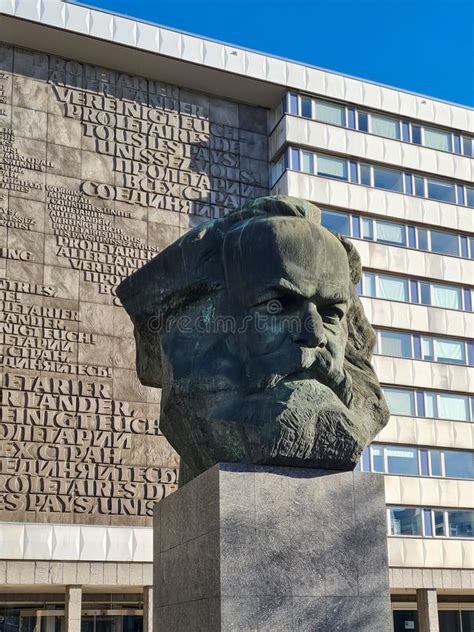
x: 430, y: 553
x: 323, y: 191
x: 423, y: 374
x: 428, y: 432
x: 419, y: 318
x: 75, y: 543
x: 379, y: 256
x: 429, y: 492
x: 339, y: 140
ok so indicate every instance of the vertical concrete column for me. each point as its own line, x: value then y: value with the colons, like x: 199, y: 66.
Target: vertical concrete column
x: 72, y: 610
x: 427, y: 603
x: 147, y: 608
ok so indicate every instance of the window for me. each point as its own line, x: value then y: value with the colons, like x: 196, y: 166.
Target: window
x: 403, y: 461
x: 363, y: 121
x: 446, y: 296
x: 388, y: 179
x: 395, y: 344
x: 448, y: 351
x: 468, y: 144
x: 453, y: 407
x: 329, y: 113
x: 400, y: 401
x: 435, y: 458
x: 416, y: 134
x: 385, y: 126
x: 337, y: 222
x: 437, y: 140
x: 307, y: 160
x: 470, y: 197
x: 459, y: 464
x: 419, y: 186
x: 365, y: 175
x: 390, y: 233
x: 306, y: 107
x: 332, y: 167
x: 405, y: 521
x: 439, y: 523
x: 444, y: 243
x: 392, y: 288
x: 449, y: 621
x: 442, y: 191
x: 460, y: 524
x: 378, y: 464
x: 293, y: 104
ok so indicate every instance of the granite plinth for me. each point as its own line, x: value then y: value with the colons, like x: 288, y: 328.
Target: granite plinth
x: 250, y: 548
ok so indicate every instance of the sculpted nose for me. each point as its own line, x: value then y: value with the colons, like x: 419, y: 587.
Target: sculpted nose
x: 311, y: 333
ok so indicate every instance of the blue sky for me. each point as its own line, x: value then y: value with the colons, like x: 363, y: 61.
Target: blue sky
x: 425, y: 46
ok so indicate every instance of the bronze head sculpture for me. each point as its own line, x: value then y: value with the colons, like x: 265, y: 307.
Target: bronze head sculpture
x: 251, y: 326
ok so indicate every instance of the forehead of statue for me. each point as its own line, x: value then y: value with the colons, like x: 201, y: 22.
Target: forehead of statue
x: 291, y: 253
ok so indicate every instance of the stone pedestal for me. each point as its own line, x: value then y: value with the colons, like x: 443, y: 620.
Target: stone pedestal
x: 247, y: 548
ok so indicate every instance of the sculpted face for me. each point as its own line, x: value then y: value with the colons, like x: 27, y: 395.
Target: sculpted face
x: 292, y: 312
x: 252, y: 328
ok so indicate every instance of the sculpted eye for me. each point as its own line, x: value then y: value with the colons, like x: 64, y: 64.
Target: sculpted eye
x: 331, y: 313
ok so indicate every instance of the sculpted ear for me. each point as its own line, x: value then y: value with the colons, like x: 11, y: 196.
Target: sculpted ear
x: 148, y: 354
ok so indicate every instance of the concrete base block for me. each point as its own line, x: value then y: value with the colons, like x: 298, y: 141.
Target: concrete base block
x: 272, y: 549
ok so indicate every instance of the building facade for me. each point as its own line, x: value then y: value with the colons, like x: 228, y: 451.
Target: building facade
x: 116, y: 137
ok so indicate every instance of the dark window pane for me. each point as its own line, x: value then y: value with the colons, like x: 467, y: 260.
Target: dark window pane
x: 417, y: 347
x: 449, y: 621
x: 425, y: 293
x: 439, y: 522
x: 306, y: 108
x: 408, y: 184
x: 424, y: 462
x: 353, y: 171
x: 405, y: 620
x: 405, y: 521
x: 416, y: 134
x: 293, y: 104
x: 464, y: 247
x: 467, y: 618
x: 467, y: 146
x: 414, y: 291
x: 470, y: 353
x: 459, y: 464
x: 337, y: 222
x: 419, y: 186
x: 387, y: 179
x: 460, y: 195
x: 442, y: 191
x: 295, y: 159
x: 377, y: 459
x: 402, y: 461
x: 461, y: 524
x: 470, y: 197
x: 367, y: 228
x: 406, y: 132
x: 411, y: 237
x: 355, y: 223
x: 363, y: 121
x: 364, y: 175
x: 351, y: 118
x: 467, y: 300
x: 444, y: 243
x: 422, y: 239
x: 457, y: 144
x: 435, y: 463
x: 428, y: 527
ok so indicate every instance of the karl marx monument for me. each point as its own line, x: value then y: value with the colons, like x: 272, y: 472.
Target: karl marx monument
x: 252, y: 328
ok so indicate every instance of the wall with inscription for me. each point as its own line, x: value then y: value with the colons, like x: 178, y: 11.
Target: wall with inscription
x: 99, y: 171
